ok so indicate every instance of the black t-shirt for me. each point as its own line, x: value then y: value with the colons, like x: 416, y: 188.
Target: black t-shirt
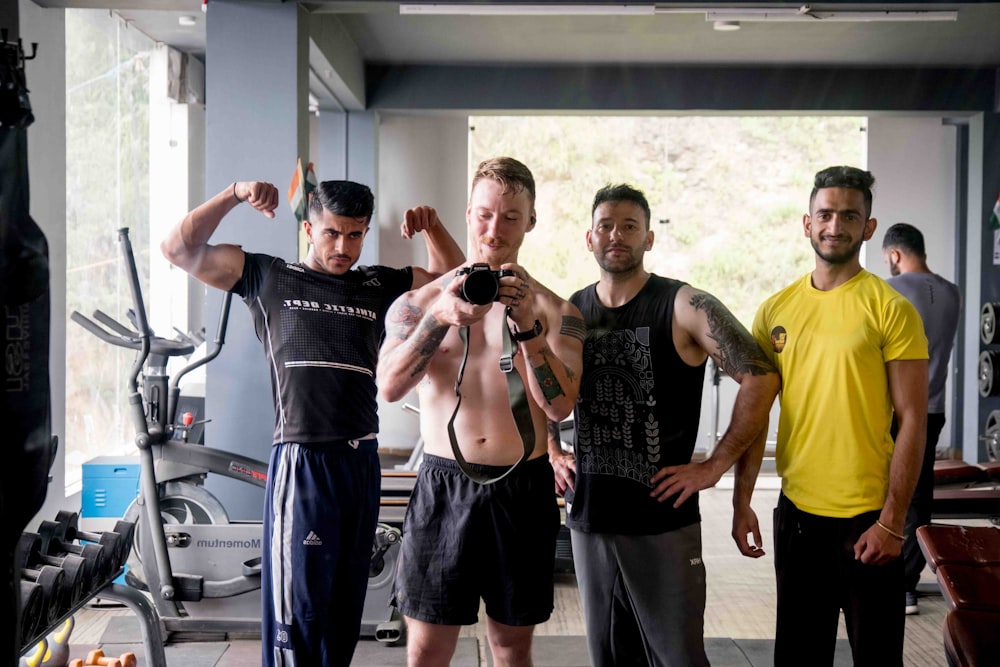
x: 637, y: 412
x: 321, y: 334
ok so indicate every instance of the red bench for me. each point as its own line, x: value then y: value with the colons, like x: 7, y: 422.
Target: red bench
x: 957, y: 472
x: 966, y: 560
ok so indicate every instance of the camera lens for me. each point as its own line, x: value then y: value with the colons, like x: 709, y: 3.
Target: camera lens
x: 480, y: 287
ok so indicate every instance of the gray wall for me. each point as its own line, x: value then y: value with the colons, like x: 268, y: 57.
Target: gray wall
x: 256, y: 127
x: 913, y: 160
x: 422, y: 160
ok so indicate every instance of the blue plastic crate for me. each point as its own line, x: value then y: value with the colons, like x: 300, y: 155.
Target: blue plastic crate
x: 110, y: 484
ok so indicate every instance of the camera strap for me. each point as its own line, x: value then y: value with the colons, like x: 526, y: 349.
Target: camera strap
x: 516, y: 393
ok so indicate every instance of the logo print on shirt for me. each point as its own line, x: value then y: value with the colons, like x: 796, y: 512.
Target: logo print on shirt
x: 374, y: 282
x: 312, y: 540
x: 779, y: 337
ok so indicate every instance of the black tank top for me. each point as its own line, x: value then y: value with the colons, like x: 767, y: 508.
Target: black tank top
x: 637, y: 412
x: 321, y: 334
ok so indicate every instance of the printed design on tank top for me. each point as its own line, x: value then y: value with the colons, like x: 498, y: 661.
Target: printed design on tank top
x: 619, y: 389
x: 315, y: 332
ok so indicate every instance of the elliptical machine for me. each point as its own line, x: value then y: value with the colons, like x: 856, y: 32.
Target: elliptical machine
x: 201, y: 569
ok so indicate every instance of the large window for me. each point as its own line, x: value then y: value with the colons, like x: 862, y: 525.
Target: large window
x: 727, y: 193
x: 107, y: 176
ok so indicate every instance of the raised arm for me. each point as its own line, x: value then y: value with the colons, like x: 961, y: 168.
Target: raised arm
x: 443, y: 253
x: 186, y: 245
x: 908, y: 391
x: 710, y: 327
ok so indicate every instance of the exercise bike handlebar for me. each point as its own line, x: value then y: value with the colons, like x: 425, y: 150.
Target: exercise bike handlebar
x: 173, y: 395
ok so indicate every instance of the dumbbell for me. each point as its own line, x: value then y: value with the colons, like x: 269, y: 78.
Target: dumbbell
x: 51, y: 580
x: 125, y: 530
x: 32, y: 610
x: 100, y: 563
x: 77, y: 571
x: 97, y: 657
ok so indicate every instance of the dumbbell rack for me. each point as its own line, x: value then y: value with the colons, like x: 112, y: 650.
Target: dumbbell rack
x: 149, y: 620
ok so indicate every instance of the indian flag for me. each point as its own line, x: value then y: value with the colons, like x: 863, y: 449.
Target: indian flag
x: 995, y: 218
x: 302, y: 185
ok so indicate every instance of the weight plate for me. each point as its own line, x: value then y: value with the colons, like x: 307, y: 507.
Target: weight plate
x: 986, y: 373
x: 988, y: 323
x: 992, y: 437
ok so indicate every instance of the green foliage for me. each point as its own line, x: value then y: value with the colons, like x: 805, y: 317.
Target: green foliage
x: 733, y: 189
x: 107, y: 187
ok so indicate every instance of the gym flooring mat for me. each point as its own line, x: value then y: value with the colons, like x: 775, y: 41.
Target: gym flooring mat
x: 122, y: 634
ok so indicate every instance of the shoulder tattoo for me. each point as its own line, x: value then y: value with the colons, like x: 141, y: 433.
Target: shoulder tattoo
x: 738, y: 351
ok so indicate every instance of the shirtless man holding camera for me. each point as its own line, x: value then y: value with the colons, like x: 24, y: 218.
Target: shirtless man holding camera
x: 482, y: 520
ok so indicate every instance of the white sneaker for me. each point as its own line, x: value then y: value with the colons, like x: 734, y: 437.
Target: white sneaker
x: 911, y: 603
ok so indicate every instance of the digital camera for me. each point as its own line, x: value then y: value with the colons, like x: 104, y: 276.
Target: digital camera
x: 482, y: 285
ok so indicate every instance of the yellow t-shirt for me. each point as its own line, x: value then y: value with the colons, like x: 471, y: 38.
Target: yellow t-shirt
x: 831, y: 348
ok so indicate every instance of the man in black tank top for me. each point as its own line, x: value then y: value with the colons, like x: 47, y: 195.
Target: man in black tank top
x: 320, y: 322
x: 630, y: 486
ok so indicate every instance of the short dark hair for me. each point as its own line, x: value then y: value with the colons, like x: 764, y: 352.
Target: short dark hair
x: 905, y: 237
x: 511, y: 174
x: 621, y: 192
x: 851, y: 178
x: 346, y: 198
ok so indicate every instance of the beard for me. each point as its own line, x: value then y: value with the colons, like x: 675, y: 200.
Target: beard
x: 842, y: 257
x: 621, y: 264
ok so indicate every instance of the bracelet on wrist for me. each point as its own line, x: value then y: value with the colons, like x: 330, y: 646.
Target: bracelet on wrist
x: 886, y: 528
x: 236, y: 196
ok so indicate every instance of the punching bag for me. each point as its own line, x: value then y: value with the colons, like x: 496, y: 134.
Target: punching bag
x: 28, y: 445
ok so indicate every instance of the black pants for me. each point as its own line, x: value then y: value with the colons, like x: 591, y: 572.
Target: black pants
x: 919, y: 512
x: 817, y: 576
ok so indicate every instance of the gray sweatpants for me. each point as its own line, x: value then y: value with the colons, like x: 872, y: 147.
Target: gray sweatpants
x: 643, y: 597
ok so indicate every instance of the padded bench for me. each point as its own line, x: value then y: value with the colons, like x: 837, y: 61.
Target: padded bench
x: 959, y: 545
x: 957, y: 472
x: 966, y: 560
x: 966, y: 503
x: 971, y: 638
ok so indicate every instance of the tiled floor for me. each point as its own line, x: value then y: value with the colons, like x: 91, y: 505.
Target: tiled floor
x: 740, y: 598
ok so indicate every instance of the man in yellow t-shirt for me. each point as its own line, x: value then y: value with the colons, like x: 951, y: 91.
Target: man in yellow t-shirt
x: 850, y: 350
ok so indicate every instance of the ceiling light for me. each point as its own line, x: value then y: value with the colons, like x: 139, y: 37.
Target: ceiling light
x: 553, y: 9
x: 713, y: 14
x: 726, y: 26
x: 805, y: 14
x: 187, y: 21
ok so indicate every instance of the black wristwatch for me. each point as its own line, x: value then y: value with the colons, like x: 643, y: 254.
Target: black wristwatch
x: 521, y: 336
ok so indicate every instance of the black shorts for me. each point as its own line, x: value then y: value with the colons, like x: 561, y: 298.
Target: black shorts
x: 463, y: 541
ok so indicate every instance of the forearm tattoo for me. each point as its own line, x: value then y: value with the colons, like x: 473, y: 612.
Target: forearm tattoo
x: 573, y: 327
x: 554, y: 432
x: 551, y: 389
x: 428, y: 335
x: 738, y: 351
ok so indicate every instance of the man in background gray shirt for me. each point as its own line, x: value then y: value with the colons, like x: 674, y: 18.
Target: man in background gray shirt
x: 938, y: 302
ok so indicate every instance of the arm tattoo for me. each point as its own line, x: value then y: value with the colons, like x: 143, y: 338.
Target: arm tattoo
x: 551, y: 389
x: 554, y: 432
x: 429, y: 336
x: 401, y: 319
x: 573, y: 327
x: 738, y: 351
